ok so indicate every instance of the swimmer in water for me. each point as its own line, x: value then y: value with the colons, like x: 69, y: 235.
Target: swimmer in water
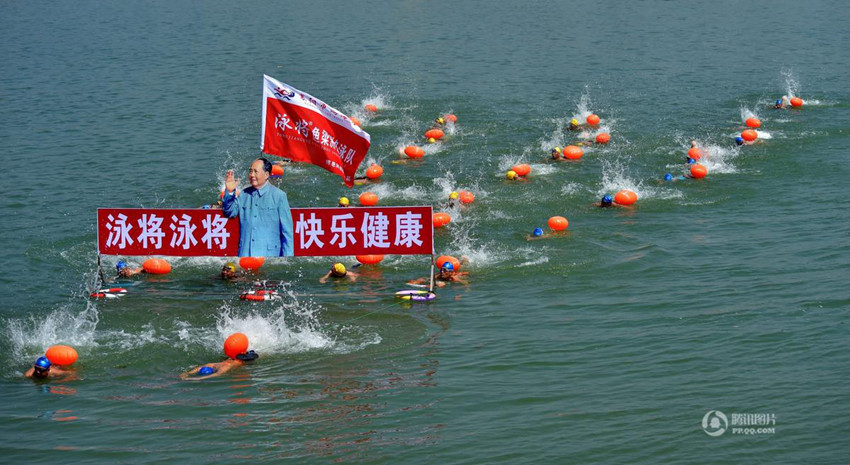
x: 338, y: 271
x: 670, y: 178
x: 125, y: 271
x: 439, y: 123
x: 608, y: 201
x: 511, y: 175
x: 574, y: 125
x: 230, y: 273
x: 43, y: 369
x: 344, y: 202
x: 453, y: 200
x: 447, y: 274
x: 556, y: 154
x: 213, y: 370
x: 538, y: 234
x: 782, y: 103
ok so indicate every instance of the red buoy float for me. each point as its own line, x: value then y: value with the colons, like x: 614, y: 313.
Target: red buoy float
x: 413, y: 151
x: 235, y: 344
x: 354, y: 121
x: 369, y: 259
x: 374, y: 172
x: 61, y: 355
x: 436, y: 134
x: 603, y: 138
x: 592, y: 119
x: 625, y: 197
x: 466, y: 196
x: 698, y: 171
x: 753, y: 122
x: 156, y: 266
x: 441, y: 219
x: 558, y: 223
x: 368, y: 199
x: 521, y: 170
x: 371, y: 107
x: 749, y: 135
x: 796, y: 102
x: 252, y: 263
x: 573, y: 152
x: 451, y: 117
x: 277, y: 171
x: 695, y: 153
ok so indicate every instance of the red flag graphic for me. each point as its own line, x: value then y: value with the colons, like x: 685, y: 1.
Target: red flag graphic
x: 300, y: 127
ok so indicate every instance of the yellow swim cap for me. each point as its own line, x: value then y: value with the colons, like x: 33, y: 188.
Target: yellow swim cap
x: 431, y: 140
x: 453, y: 195
x: 440, y: 121
x: 574, y: 122
x: 338, y: 269
x: 343, y: 202
x: 511, y: 174
x: 556, y: 149
x: 229, y: 266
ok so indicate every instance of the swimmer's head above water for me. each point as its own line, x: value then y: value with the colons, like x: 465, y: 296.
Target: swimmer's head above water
x: 338, y: 270
x: 537, y: 232
x: 41, y: 367
x: 606, y: 201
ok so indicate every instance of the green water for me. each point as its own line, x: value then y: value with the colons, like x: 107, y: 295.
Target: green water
x: 605, y: 345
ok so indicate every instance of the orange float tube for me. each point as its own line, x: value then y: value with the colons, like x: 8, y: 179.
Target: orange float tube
x: 558, y: 223
x: 625, y: 197
x: 61, y: 355
x: 371, y: 107
x: 368, y: 199
x: 466, y: 196
x: 796, y: 102
x: 235, y: 344
x: 521, y: 170
x: 603, y: 138
x: 413, y: 151
x: 592, y: 119
x: 749, y: 135
x: 448, y: 258
x: 698, y: 171
x: 374, y: 172
x: 441, y: 219
x: 156, y: 266
x: 752, y: 122
x: 573, y: 152
x: 369, y: 259
x: 695, y: 153
x: 435, y: 134
x: 252, y: 263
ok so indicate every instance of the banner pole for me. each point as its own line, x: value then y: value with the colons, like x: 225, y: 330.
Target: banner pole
x: 99, y: 272
x: 431, y: 288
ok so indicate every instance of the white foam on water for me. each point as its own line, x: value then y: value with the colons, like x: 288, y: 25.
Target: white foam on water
x: 31, y: 336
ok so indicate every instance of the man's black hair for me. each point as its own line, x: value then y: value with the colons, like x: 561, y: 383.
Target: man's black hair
x: 267, y: 165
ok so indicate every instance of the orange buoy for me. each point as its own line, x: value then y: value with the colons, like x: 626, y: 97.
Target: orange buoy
x: 753, y: 123
x: 451, y: 117
x: 441, y: 219
x: 796, y: 102
x: 625, y: 197
x: 558, y: 223
x: 698, y: 171
x: 695, y: 153
x: 371, y: 107
x: 252, y: 263
x: 592, y: 119
x: 354, y: 120
x: 368, y: 199
x: 374, y: 172
x: 466, y: 197
x: 156, y: 266
x: 235, y: 344
x: 603, y: 138
x: 277, y: 170
x: 435, y: 134
x: 61, y: 355
x: 521, y: 170
x: 448, y: 258
x: 413, y: 151
x: 749, y: 135
x: 573, y: 152
x: 369, y: 259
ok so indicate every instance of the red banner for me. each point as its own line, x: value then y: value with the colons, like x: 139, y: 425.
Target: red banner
x: 302, y: 128
x: 363, y: 231
x: 318, y: 231
x: 171, y: 232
